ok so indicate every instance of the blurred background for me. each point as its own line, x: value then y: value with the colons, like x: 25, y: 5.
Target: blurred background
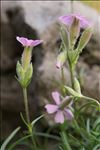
x: 39, y: 20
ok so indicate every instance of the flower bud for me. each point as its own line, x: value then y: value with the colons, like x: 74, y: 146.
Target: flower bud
x: 24, y: 76
x: 72, y: 92
x: 85, y: 38
x: 77, y: 85
x: 74, y: 32
x: 61, y: 59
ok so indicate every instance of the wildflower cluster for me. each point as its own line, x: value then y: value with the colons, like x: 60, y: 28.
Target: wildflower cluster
x: 70, y: 32
x: 73, y: 42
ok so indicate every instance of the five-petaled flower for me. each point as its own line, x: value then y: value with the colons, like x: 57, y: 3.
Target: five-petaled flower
x: 28, y: 42
x: 68, y: 19
x: 60, y: 114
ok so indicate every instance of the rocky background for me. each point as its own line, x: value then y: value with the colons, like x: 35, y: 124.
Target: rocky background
x: 38, y: 20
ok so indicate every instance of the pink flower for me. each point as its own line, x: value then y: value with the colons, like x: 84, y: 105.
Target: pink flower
x: 67, y: 20
x: 59, y: 65
x: 26, y: 42
x: 60, y: 114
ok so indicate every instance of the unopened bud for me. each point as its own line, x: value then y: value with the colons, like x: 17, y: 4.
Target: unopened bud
x: 85, y: 38
x: 72, y: 92
x: 61, y: 59
x: 24, y: 76
x: 77, y: 85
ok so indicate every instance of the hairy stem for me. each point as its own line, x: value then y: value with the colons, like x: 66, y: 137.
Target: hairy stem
x: 26, y: 105
x: 72, y: 75
x: 27, y: 117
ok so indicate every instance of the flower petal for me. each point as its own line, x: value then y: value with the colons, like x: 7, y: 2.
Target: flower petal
x: 27, y: 42
x: 68, y: 114
x: 83, y: 21
x: 51, y: 108
x: 22, y: 40
x: 36, y: 42
x: 68, y: 19
x: 56, y: 97
x: 59, y: 117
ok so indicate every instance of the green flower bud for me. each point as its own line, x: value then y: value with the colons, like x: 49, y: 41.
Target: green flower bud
x: 72, y: 92
x: 85, y: 38
x: 77, y: 85
x: 61, y: 59
x: 24, y: 76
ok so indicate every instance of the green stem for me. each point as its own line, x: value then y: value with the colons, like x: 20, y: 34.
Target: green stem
x: 92, y: 99
x: 26, y: 105
x: 63, y: 81
x: 62, y: 76
x: 27, y: 117
x: 33, y: 141
x: 72, y: 75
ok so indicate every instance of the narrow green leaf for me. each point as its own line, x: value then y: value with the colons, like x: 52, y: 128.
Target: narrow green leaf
x: 24, y: 120
x: 61, y: 148
x: 34, y: 121
x: 47, y: 135
x: 65, y: 141
x: 6, y: 142
x: 88, y: 125
x: 18, y: 142
x: 97, y: 147
x: 96, y: 123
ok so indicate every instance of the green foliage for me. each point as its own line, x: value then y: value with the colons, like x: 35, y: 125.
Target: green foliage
x: 72, y: 92
x: 81, y: 132
x: 10, y: 137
